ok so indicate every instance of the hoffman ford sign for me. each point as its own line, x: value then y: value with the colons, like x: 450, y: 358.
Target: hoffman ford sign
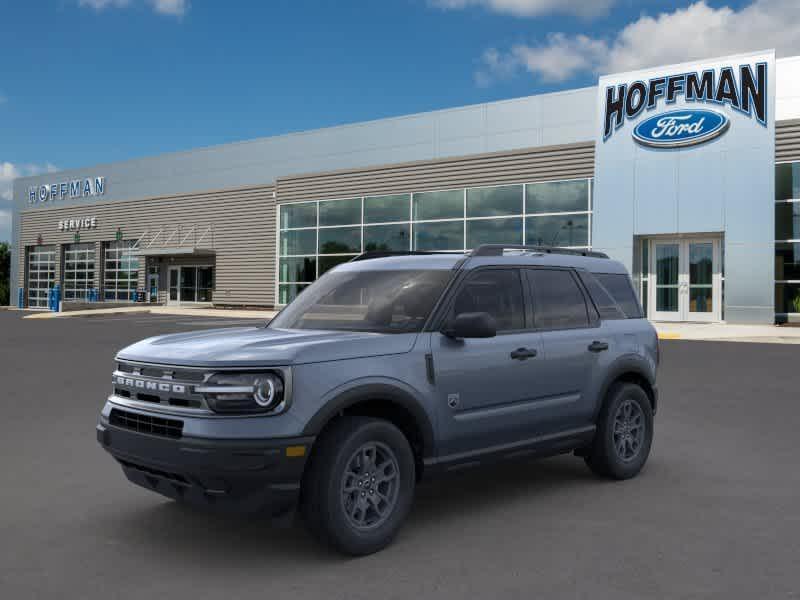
x: 76, y: 188
x: 742, y: 88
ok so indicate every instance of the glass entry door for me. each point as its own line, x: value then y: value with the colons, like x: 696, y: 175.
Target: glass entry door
x: 190, y: 284
x: 687, y: 282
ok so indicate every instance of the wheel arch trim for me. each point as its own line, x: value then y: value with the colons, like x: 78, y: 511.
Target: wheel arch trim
x: 375, y: 391
x: 629, y: 365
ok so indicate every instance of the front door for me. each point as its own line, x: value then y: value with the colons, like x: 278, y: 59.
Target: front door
x: 687, y: 283
x: 487, y: 389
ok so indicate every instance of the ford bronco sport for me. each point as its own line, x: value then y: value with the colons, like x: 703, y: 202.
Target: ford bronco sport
x: 388, y: 369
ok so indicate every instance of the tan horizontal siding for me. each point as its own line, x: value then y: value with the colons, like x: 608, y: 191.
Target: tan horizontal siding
x: 243, y: 222
x: 572, y: 161
x: 787, y: 141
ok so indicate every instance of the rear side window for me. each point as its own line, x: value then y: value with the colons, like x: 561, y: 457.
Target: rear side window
x: 605, y: 304
x: 494, y: 291
x: 558, y: 302
x: 620, y: 288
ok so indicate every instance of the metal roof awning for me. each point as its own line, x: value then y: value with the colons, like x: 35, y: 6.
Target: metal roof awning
x: 173, y: 251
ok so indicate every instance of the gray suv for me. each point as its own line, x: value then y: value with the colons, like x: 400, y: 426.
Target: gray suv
x: 388, y: 369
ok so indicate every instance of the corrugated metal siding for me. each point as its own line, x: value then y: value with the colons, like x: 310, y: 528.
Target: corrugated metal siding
x: 787, y: 141
x: 243, y: 222
x: 571, y: 161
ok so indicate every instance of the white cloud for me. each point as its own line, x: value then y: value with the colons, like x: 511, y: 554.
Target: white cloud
x: 531, y: 8
x: 697, y: 31
x: 172, y: 8
x: 9, y: 172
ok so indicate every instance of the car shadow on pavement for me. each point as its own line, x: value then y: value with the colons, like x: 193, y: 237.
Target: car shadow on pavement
x: 183, y: 533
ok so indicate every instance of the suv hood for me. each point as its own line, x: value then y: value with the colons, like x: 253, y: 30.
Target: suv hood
x: 260, y: 346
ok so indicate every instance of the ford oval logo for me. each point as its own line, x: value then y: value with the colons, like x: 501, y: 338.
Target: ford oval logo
x: 681, y: 128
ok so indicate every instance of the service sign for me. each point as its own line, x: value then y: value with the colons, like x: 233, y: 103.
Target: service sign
x: 77, y: 224
x: 680, y: 109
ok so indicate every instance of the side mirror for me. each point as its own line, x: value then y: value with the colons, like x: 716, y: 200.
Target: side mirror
x: 472, y: 325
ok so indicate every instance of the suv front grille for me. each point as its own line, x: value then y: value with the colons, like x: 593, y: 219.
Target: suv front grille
x: 167, y: 386
x: 171, y: 428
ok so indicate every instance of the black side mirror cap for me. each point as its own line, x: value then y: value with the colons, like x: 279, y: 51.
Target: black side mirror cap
x: 472, y: 325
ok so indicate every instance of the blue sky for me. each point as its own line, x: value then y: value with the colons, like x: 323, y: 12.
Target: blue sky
x: 90, y: 81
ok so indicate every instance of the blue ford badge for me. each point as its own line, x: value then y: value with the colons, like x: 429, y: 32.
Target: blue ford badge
x: 681, y: 128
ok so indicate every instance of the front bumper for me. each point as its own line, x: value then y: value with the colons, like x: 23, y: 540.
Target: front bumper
x: 242, y: 476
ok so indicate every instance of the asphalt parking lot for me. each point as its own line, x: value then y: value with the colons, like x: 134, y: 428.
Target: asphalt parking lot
x: 716, y: 513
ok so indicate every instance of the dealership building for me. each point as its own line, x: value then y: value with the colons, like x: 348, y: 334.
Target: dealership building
x: 689, y: 174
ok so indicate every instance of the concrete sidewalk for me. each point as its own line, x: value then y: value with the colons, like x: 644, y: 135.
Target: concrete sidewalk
x: 159, y: 310
x: 724, y: 332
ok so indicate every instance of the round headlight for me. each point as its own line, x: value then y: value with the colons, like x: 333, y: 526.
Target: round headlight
x: 264, y: 392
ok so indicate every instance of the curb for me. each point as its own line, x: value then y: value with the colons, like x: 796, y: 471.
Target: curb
x: 668, y: 335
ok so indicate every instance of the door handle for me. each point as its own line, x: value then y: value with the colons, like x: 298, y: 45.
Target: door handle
x: 598, y: 346
x: 523, y: 353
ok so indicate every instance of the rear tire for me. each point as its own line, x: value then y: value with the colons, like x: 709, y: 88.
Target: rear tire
x: 624, y: 433
x: 359, y: 485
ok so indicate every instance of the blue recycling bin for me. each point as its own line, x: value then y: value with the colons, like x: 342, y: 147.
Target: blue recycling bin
x: 54, y: 298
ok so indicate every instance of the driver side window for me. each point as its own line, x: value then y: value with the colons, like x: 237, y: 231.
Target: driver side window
x: 497, y: 292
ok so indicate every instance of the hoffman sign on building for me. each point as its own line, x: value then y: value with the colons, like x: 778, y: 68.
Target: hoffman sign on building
x: 689, y: 174
x: 76, y: 188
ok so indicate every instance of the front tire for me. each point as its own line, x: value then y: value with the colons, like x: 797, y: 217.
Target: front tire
x: 624, y: 433
x: 359, y: 485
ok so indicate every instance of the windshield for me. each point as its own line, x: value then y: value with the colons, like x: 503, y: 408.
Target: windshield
x: 388, y: 301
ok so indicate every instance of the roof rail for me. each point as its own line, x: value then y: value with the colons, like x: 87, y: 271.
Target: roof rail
x: 499, y: 249
x: 386, y: 253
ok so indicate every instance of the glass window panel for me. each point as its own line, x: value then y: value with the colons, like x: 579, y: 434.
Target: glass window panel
x: 298, y: 242
x: 787, y: 221
x: 494, y: 231
x: 494, y: 201
x: 387, y: 237
x: 340, y: 212
x: 299, y: 215
x: 557, y: 196
x: 439, y: 236
x: 787, y: 261
x: 701, y: 258
x: 326, y: 263
x: 667, y: 264
x: 606, y: 306
x: 787, y: 297
x: 645, y: 296
x: 298, y: 269
x: 667, y: 299
x: 557, y: 300
x: 383, y: 301
x: 787, y: 181
x: 557, y: 230
x: 288, y: 292
x: 340, y: 240
x: 497, y: 292
x: 384, y: 209
x: 439, y: 205
x: 700, y: 299
x: 621, y: 290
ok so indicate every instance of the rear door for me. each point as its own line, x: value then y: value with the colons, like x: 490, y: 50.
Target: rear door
x: 487, y: 389
x: 574, y: 344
